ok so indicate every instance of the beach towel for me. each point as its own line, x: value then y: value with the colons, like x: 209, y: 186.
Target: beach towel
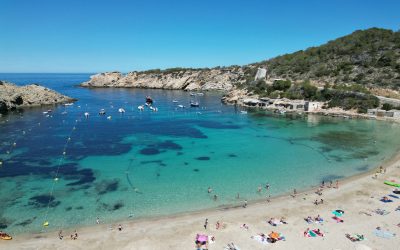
x: 319, y: 221
x: 337, y: 219
x: 312, y: 234
x: 259, y: 238
x: 384, y: 234
x: 355, y: 237
x: 309, y: 221
x: 393, y: 196
x: 319, y: 234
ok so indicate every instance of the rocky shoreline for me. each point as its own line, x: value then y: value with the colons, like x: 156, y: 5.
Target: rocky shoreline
x: 174, y: 79
x: 15, y: 97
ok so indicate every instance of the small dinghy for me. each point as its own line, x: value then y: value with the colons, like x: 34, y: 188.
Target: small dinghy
x: 194, y: 104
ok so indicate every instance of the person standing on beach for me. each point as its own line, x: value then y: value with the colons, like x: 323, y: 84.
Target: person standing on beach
x: 294, y: 192
x: 205, y: 224
x: 60, y: 236
x: 337, y: 184
x: 97, y: 220
x: 245, y: 204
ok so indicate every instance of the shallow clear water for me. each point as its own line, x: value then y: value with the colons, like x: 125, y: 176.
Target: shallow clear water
x: 144, y: 164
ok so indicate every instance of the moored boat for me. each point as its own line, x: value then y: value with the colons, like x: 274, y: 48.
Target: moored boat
x: 194, y: 104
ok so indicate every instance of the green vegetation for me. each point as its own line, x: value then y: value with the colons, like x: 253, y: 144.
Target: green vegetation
x: 346, y: 97
x: 366, y: 57
x: 387, y: 107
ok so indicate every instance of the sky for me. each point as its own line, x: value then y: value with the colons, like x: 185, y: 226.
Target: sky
x: 49, y: 36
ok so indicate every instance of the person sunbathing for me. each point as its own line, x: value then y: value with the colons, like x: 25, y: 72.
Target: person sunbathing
x: 271, y: 222
x: 319, y: 218
x: 318, y: 232
x: 309, y: 219
x: 283, y: 220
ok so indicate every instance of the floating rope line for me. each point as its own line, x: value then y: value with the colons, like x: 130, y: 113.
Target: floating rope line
x: 55, y: 178
x: 21, y: 134
x: 127, y: 174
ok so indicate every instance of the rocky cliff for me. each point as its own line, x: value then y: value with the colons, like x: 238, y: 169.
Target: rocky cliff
x: 13, y: 96
x: 184, y: 79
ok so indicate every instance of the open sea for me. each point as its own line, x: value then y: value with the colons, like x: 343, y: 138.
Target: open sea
x: 67, y: 170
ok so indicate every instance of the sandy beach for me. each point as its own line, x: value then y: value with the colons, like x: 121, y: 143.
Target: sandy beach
x: 358, y: 196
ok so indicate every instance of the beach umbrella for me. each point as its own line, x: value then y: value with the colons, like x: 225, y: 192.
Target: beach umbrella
x: 202, y: 238
x: 274, y: 235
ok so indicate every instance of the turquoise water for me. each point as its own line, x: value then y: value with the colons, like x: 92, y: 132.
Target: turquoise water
x: 144, y: 164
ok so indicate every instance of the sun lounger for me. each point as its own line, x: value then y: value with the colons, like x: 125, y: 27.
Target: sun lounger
x: 384, y: 234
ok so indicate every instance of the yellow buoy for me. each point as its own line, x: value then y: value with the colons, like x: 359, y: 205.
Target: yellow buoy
x: 46, y: 224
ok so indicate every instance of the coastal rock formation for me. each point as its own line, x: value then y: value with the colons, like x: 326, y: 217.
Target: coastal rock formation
x: 236, y: 96
x: 184, y: 79
x: 13, y: 96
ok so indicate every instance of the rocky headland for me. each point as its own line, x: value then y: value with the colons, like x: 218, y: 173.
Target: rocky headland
x: 358, y: 72
x: 15, y: 97
x: 178, y: 78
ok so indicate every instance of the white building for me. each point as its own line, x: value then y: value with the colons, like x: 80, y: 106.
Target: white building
x: 261, y: 74
x: 312, y: 106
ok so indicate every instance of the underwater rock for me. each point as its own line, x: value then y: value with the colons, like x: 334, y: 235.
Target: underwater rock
x: 41, y: 201
x: 107, y: 186
x: 203, y: 158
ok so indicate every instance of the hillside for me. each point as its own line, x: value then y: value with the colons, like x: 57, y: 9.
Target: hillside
x: 367, y: 57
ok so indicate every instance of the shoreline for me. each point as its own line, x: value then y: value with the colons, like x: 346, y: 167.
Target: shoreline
x: 392, y: 164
